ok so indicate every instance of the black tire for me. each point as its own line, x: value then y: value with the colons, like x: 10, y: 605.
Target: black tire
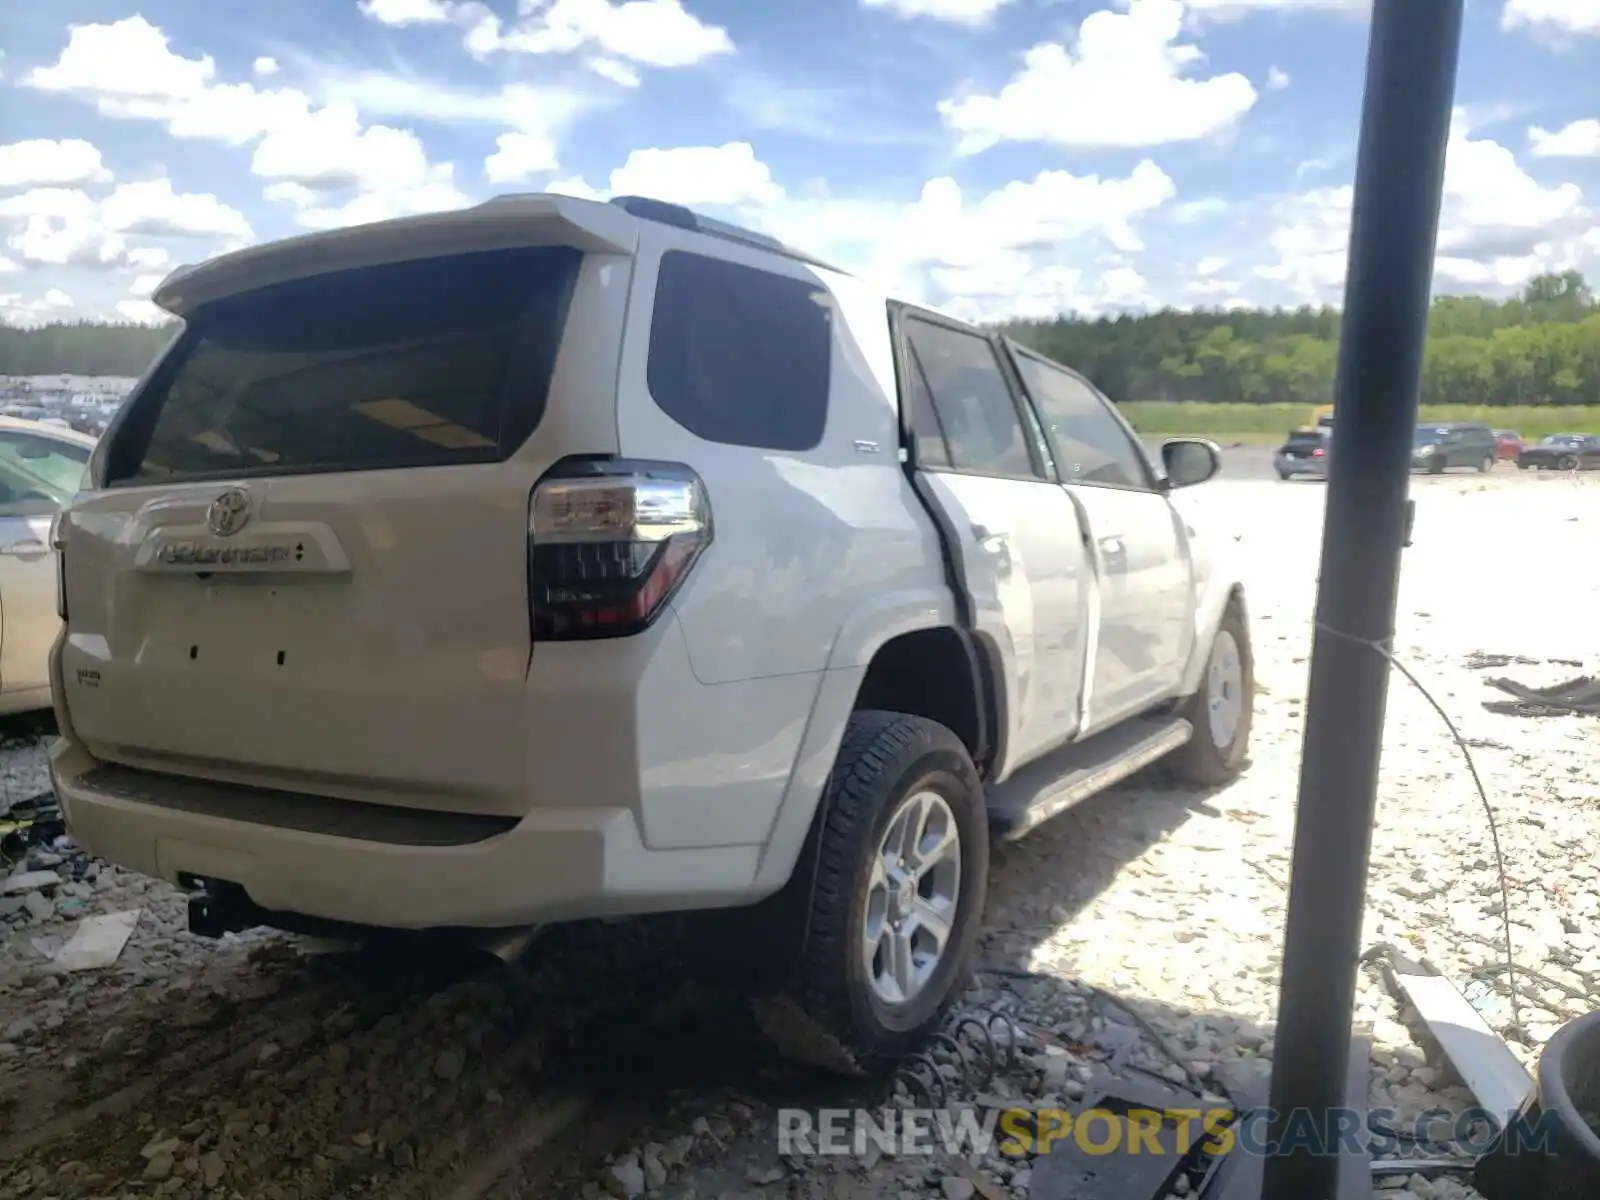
x: 1523, y: 464
x: 1436, y: 465
x: 1567, y: 462
x: 1486, y: 466
x: 1200, y: 761
x: 1283, y: 475
x: 884, y: 758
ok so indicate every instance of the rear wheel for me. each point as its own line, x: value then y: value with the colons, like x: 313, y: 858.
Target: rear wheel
x: 1567, y: 462
x: 902, y: 871
x: 1436, y: 465
x: 1221, y: 710
x: 1283, y: 475
x: 1486, y: 465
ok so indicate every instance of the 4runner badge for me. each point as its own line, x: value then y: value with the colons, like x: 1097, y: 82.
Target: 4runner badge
x: 229, y: 512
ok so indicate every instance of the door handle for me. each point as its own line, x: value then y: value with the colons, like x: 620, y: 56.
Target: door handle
x: 28, y: 548
x: 989, y: 539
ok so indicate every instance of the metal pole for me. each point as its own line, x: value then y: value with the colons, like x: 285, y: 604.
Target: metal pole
x: 1405, y: 122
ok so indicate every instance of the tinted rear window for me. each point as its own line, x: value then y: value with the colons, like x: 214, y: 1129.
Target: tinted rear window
x: 435, y: 361
x: 1304, y: 440
x: 740, y: 355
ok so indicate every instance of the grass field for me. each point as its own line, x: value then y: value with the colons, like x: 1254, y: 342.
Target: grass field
x: 1267, y: 423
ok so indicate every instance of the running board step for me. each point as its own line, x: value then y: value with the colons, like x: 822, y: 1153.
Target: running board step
x: 1065, y: 777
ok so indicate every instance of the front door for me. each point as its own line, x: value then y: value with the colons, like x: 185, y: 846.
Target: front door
x: 1144, y: 579
x: 1013, y: 531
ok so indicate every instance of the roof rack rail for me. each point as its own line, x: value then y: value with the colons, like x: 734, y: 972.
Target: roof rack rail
x: 680, y: 217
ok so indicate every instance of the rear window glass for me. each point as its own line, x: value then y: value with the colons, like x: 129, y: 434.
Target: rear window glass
x: 1304, y: 439
x: 433, y: 361
x: 740, y: 355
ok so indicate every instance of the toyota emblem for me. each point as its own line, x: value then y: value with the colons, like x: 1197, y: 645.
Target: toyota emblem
x: 229, y: 512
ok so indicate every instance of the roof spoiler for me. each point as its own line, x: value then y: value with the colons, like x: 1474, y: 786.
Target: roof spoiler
x: 506, y: 222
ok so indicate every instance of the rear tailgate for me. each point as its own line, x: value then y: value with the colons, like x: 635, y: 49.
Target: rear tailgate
x: 305, y: 560
x: 1304, y: 445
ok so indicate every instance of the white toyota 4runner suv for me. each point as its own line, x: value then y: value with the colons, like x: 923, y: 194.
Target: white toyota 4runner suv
x: 557, y: 559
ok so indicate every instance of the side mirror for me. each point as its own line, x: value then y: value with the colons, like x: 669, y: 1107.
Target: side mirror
x: 1189, y: 461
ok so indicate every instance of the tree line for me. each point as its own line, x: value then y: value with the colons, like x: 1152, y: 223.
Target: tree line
x: 1541, y: 347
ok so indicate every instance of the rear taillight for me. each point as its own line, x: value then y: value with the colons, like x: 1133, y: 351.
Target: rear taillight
x: 609, y: 541
x: 1318, y: 452
x: 59, y: 546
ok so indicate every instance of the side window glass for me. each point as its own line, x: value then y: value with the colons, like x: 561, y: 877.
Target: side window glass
x: 1090, y: 444
x: 927, y: 436
x: 38, y: 475
x: 970, y: 401
x: 739, y: 355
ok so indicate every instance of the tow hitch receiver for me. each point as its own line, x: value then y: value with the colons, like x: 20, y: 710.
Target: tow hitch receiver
x: 217, y: 908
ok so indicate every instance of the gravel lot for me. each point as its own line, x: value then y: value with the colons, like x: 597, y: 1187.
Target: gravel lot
x: 262, y: 1067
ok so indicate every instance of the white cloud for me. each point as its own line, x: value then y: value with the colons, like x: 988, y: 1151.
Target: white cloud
x: 129, y: 70
x: 148, y: 258
x: 729, y: 175
x: 1125, y: 83
x: 121, y: 63
x: 957, y: 12
x: 1277, y: 79
x: 153, y: 208
x: 41, y: 162
x: 1498, y: 225
x: 1213, y: 289
x: 1008, y: 252
x: 617, y: 71
x: 519, y: 156
x: 265, y: 65
x: 654, y: 33
x: 15, y: 310
x: 144, y: 285
x: 68, y: 227
x: 1559, y: 16
x: 408, y: 12
x: 574, y: 187
x: 1579, y: 139
x: 1228, y: 10
x: 1210, y: 266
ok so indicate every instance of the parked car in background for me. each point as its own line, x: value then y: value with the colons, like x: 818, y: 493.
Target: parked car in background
x: 1563, y: 452
x: 1508, y: 445
x: 1437, y: 448
x: 1304, y: 453
x: 41, y: 467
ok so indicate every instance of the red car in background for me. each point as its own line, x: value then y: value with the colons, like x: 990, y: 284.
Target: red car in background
x: 1508, y: 445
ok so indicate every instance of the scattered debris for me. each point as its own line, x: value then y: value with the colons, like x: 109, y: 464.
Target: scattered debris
x: 28, y: 881
x: 1575, y: 697
x: 98, y: 941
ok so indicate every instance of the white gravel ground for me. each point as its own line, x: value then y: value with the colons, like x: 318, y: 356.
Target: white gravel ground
x: 251, y: 1068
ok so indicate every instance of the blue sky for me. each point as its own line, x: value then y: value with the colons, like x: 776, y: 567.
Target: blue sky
x: 997, y: 157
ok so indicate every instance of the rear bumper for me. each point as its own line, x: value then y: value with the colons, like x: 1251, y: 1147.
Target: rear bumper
x: 1300, y: 466
x: 624, y: 813
x: 554, y: 864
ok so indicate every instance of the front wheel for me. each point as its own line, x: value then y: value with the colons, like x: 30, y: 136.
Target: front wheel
x: 1221, y: 710
x: 1567, y: 462
x: 902, y: 873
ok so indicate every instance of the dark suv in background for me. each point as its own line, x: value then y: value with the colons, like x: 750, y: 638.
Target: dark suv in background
x: 1304, y: 453
x: 1437, y: 448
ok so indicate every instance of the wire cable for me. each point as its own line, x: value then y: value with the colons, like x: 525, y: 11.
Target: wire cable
x: 1393, y: 660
